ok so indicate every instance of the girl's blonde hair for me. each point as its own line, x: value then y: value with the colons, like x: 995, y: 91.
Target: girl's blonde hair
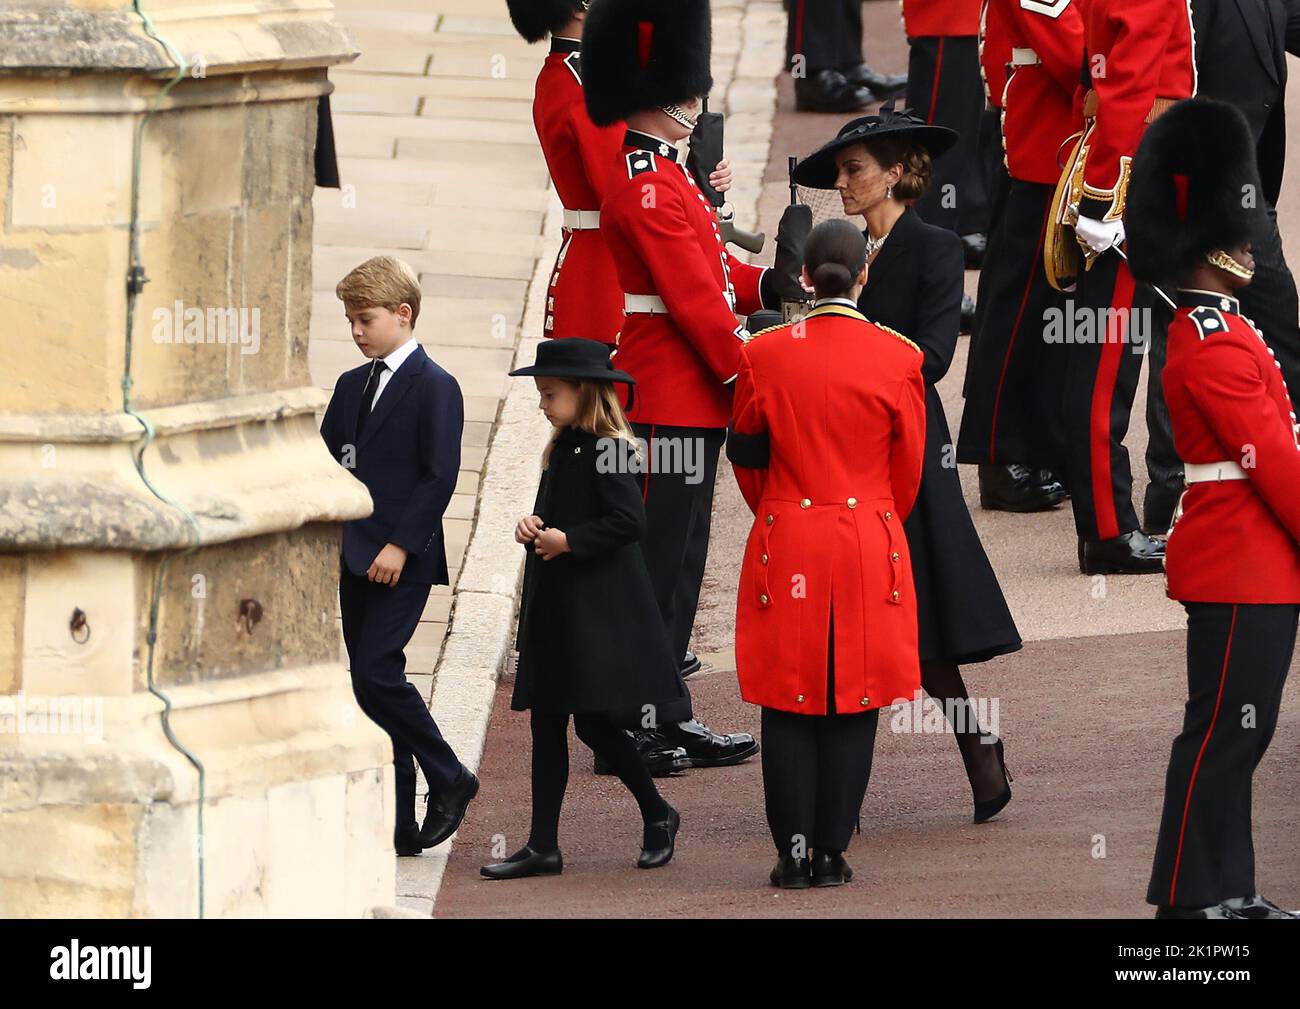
x: 599, y: 413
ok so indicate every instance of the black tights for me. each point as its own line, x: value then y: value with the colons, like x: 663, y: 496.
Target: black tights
x: 551, y: 770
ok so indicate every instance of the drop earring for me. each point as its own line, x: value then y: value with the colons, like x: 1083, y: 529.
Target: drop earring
x: 889, y: 192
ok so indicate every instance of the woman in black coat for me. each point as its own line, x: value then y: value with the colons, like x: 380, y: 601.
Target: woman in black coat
x: 590, y: 641
x: 914, y: 285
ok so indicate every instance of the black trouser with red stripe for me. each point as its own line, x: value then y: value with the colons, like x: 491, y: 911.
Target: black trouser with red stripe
x: 826, y: 33
x: 1014, y: 377
x: 1107, y: 330
x: 678, y: 510
x: 1238, y: 656
x: 944, y: 86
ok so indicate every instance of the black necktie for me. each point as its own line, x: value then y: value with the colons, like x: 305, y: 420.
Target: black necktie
x: 368, y: 394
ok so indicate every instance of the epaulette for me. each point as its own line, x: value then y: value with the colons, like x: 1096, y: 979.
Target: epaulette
x: 894, y: 332
x: 1209, y: 321
x: 640, y: 162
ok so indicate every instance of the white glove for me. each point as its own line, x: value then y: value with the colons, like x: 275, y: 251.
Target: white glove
x: 1099, y: 236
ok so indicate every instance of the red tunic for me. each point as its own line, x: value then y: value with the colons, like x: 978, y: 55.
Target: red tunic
x: 1039, y: 108
x: 663, y: 235
x: 584, y: 298
x: 1237, y: 541
x: 829, y: 510
x: 1139, y: 51
x: 941, y: 17
x: 995, y: 53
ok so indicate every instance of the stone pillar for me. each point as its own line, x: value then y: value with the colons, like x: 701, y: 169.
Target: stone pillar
x: 171, y: 542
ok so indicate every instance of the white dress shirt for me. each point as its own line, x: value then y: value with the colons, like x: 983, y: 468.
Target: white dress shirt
x: 392, y: 361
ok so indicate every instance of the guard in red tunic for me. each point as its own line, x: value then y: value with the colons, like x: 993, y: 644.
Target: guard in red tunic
x: 1012, y: 424
x: 646, y: 63
x: 1234, y: 553
x: 826, y: 615
x: 1140, y: 62
x: 943, y: 86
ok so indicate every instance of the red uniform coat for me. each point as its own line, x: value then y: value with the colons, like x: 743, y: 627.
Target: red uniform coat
x: 1039, y: 109
x: 1237, y: 541
x: 842, y: 403
x: 941, y: 17
x: 663, y: 235
x: 995, y: 54
x: 584, y: 298
x: 1138, y: 51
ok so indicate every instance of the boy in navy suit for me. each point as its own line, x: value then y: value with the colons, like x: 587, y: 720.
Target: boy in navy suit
x: 396, y: 424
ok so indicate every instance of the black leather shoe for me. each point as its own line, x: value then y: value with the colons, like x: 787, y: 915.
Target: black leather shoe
x: 1012, y: 487
x: 691, y: 665
x: 1213, y: 911
x: 1046, y: 476
x: 972, y: 247
x: 658, y: 840
x: 660, y: 759
x: 406, y: 840
x: 1133, y: 553
x: 830, y: 869
x: 883, y: 86
x: 1258, y: 907
x: 523, y: 863
x: 986, y: 809
x: 446, y: 811
x: 967, y: 321
x: 707, y: 748
x: 791, y: 873
x: 828, y: 91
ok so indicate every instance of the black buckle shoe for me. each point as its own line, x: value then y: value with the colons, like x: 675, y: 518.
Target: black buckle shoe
x: 658, y: 841
x: 707, y: 748
x: 445, y: 812
x: 829, y: 91
x: 1011, y: 487
x: 523, y: 863
x: 830, y: 869
x: 1133, y: 553
x: 1213, y: 911
x: 1258, y: 906
x: 791, y: 873
x: 883, y: 86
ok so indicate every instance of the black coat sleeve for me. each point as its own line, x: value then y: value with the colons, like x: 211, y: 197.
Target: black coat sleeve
x: 441, y: 420
x: 937, y: 314
x: 331, y: 425
x: 621, y: 511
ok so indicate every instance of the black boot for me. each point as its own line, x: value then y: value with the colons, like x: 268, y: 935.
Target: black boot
x: 883, y: 86
x: 830, y: 869
x: 829, y: 91
x: 1011, y: 487
x: 706, y: 748
x: 523, y: 863
x: 1133, y: 553
x: 986, y: 809
x: 791, y: 873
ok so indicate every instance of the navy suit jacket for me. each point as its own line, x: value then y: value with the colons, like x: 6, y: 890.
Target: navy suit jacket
x: 408, y: 456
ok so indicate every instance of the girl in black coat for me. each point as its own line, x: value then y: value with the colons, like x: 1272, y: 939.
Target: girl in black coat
x: 914, y: 285
x: 590, y: 641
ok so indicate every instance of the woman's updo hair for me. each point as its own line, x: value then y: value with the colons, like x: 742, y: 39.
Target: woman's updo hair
x: 915, y: 159
x: 834, y: 255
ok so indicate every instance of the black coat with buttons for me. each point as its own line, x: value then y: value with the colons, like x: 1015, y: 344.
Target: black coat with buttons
x: 591, y: 638
x: 914, y: 285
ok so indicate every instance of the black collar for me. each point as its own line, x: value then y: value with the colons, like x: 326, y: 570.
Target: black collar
x: 1208, y: 299
x: 563, y: 45
x: 655, y: 145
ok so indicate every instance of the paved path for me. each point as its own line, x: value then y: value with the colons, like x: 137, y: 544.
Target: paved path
x: 1088, y: 710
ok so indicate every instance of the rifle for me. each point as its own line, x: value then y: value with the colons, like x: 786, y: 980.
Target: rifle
x: 705, y: 152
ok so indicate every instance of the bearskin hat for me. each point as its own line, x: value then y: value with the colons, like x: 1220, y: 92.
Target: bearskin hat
x: 644, y: 54
x: 1195, y: 187
x: 535, y: 19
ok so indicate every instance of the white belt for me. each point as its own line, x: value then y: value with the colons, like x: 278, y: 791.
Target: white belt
x: 1024, y: 57
x: 1211, y: 472
x: 644, y: 304
x: 581, y: 220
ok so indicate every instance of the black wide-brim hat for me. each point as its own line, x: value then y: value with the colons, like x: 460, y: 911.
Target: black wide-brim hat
x: 1195, y: 187
x: 818, y: 171
x: 644, y: 54
x: 574, y: 357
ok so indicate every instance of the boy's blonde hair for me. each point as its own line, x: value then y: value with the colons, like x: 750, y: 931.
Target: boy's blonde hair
x: 599, y: 412
x: 382, y: 282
